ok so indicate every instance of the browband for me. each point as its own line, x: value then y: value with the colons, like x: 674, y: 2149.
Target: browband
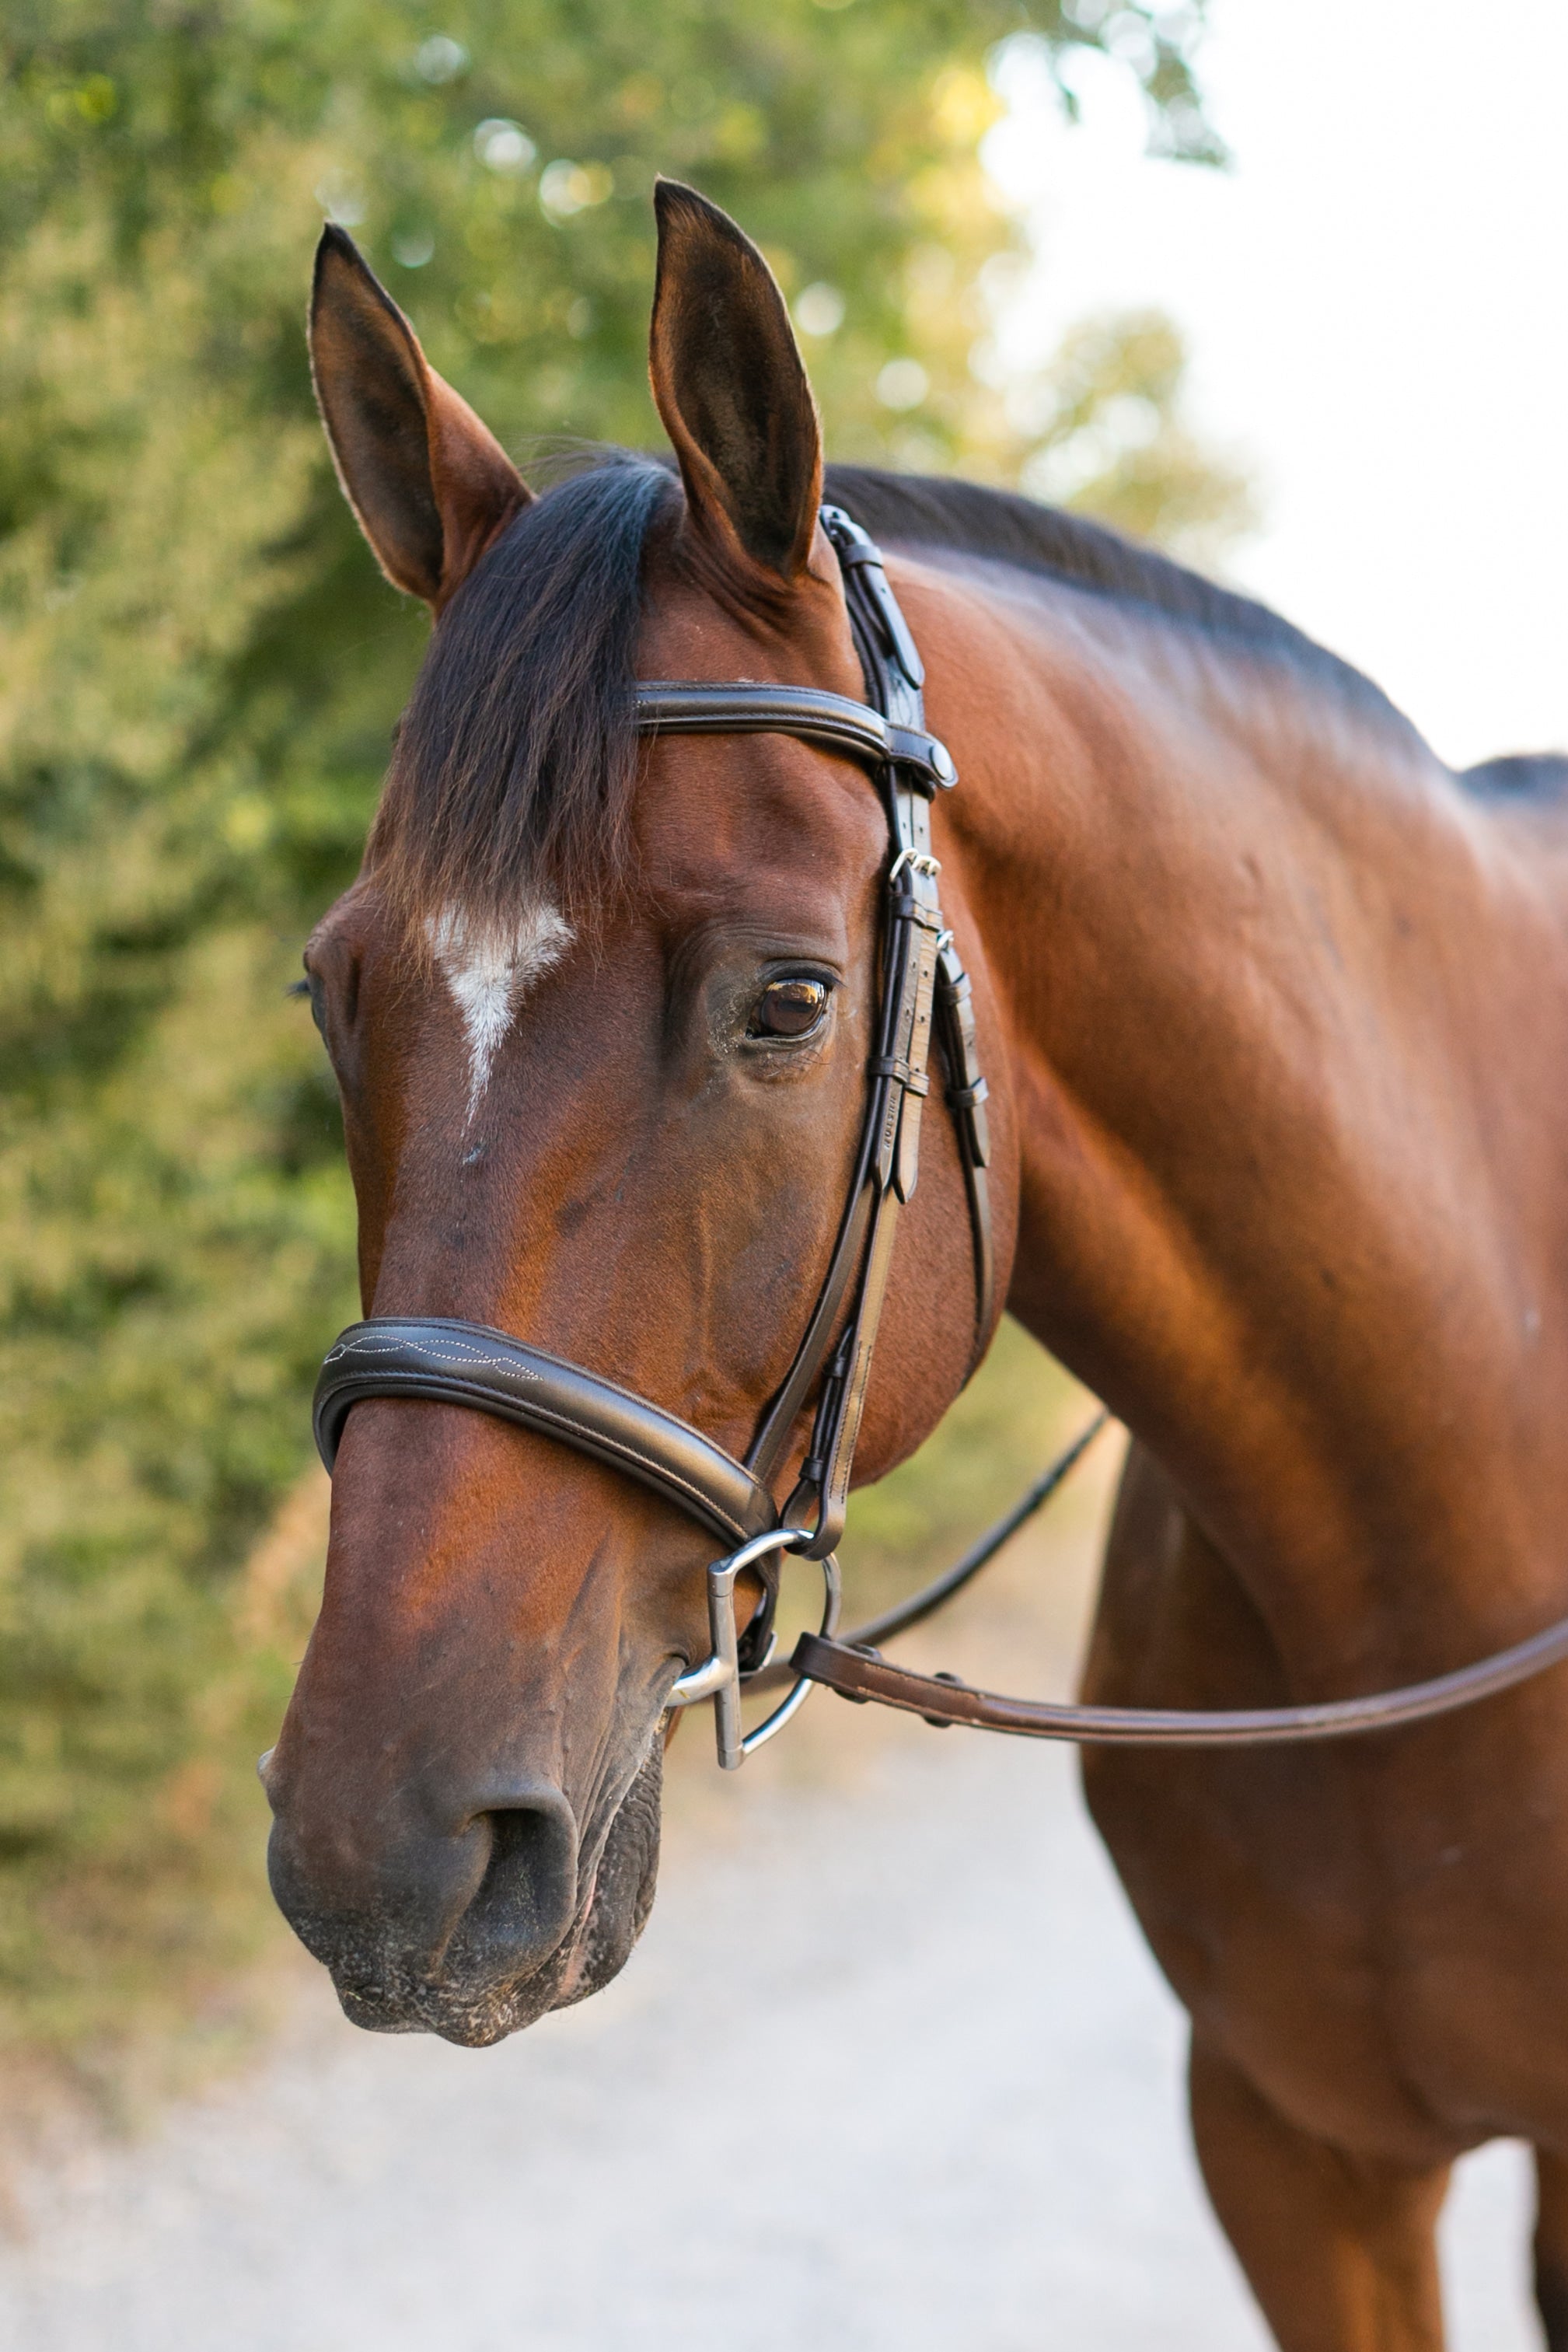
x: 447, y: 1362
x: 675, y: 707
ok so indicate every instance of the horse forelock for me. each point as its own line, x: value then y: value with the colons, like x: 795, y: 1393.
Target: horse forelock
x: 511, y: 781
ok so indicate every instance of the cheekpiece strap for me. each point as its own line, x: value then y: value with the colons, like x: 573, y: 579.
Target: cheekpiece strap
x: 922, y: 991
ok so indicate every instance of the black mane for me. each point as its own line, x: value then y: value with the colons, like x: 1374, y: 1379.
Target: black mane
x: 515, y: 761
x: 931, y: 511
x: 943, y: 512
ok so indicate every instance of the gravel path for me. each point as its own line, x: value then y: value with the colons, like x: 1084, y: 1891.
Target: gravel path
x: 678, y: 2165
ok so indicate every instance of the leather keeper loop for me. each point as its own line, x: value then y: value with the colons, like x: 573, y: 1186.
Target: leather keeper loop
x: 913, y: 1081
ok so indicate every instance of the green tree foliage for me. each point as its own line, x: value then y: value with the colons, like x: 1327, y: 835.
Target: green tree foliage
x: 198, y: 669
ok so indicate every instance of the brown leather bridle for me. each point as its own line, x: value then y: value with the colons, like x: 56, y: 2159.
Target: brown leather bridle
x: 923, y: 989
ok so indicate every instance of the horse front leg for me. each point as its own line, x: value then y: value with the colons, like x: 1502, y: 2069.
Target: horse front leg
x: 1552, y: 2247
x: 1341, y: 2253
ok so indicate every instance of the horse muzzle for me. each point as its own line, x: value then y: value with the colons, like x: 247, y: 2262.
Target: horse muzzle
x: 462, y: 1929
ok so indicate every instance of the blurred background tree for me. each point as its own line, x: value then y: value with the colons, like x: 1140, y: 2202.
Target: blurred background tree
x: 200, y: 669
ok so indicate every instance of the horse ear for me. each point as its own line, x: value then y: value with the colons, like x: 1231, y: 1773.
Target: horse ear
x: 431, y: 485
x: 731, y: 389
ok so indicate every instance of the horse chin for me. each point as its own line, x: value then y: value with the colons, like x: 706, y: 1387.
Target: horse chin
x: 620, y: 1894
x: 613, y: 1914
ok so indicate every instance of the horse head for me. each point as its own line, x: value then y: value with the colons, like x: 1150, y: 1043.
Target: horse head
x: 601, y: 1012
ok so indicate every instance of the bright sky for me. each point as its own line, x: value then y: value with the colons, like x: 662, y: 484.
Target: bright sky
x: 1375, y: 298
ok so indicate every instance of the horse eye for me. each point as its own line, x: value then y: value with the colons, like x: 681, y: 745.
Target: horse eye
x: 791, y: 1008
x: 310, y: 986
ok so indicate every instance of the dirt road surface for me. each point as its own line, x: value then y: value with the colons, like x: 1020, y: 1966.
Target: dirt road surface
x: 891, y: 2072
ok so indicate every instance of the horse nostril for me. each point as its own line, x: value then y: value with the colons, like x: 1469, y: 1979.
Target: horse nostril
x: 526, y: 1901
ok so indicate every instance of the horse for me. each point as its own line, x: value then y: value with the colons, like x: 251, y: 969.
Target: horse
x: 1274, y: 1010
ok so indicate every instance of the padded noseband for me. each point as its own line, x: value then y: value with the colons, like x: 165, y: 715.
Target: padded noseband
x: 445, y: 1362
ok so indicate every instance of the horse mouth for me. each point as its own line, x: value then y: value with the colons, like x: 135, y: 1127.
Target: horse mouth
x: 472, y: 2017
x: 475, y: 2006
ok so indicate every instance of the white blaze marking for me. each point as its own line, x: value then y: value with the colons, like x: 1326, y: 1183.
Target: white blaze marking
x: 489, y: 973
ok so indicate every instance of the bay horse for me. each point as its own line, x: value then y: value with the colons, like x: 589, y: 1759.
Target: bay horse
x: 1274, y: 1009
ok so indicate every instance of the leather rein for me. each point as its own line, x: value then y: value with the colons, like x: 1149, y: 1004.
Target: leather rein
x: 924, y: 991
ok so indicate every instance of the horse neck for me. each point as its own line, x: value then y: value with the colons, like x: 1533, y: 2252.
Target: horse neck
x: 1239, y: 924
